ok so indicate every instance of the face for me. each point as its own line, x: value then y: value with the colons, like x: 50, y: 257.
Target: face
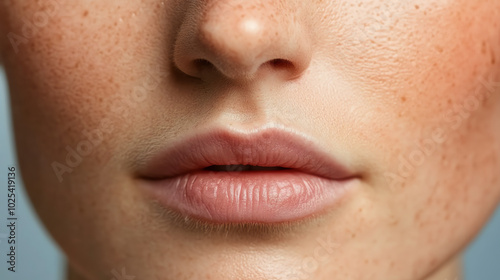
x: 404, y: 95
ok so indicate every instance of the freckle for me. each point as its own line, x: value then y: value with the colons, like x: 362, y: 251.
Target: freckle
x: 483, y: 47
x: 403, y: 99
x: 417, y: 7
x: 417, y: 215
x: 86, y: 13
x: 447, y: 207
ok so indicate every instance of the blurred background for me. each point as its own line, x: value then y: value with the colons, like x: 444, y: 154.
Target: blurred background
x: 38, y: 257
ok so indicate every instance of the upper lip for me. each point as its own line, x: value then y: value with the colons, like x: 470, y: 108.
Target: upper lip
x: 266, y: 147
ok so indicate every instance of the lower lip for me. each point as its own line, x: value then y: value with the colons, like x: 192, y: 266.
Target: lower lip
x: 248, y: 196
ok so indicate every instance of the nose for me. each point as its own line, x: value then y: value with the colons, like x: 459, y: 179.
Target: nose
x: 241, y: 40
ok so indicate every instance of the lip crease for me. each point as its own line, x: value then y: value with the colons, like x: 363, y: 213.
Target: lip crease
x: 309, y: 180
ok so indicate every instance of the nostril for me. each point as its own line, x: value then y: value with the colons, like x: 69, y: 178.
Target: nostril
x: 281, y: 63
x: 292, y: 69
x: 202, y: 64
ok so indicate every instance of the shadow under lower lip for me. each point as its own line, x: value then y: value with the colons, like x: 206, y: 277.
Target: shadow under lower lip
x: 252, y: 231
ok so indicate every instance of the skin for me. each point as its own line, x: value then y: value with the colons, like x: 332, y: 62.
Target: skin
x: 406, y: 93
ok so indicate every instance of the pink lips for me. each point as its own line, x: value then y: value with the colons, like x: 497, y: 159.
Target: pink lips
x: 308, y: 181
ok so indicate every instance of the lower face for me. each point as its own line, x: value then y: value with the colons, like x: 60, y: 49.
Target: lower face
x: 406, y: 95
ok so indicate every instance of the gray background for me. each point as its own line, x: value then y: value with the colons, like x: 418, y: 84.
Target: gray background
x: 39, y: 258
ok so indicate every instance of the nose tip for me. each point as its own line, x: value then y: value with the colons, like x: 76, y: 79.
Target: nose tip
x: 241, y: 41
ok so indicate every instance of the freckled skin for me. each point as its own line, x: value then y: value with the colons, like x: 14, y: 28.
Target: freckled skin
x: 407, y: 94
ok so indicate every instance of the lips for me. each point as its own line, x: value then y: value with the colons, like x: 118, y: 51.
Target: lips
x: 271, y: 175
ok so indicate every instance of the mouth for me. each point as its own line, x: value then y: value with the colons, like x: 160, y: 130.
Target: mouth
x: 268, y: 176
x: 241, y: 167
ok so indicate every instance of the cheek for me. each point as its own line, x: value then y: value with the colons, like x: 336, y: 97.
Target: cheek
x: 430, y: 81
x: 71, y: 74
x: 68, y: 82
x: 429, y: 99
x: 445, y: 107
x: 422, y: 74
x: 411, y: 61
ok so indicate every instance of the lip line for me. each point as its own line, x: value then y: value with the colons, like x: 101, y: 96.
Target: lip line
x: 270, y: 146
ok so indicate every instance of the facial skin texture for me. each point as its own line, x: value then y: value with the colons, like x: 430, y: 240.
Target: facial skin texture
x: 406, y: 93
